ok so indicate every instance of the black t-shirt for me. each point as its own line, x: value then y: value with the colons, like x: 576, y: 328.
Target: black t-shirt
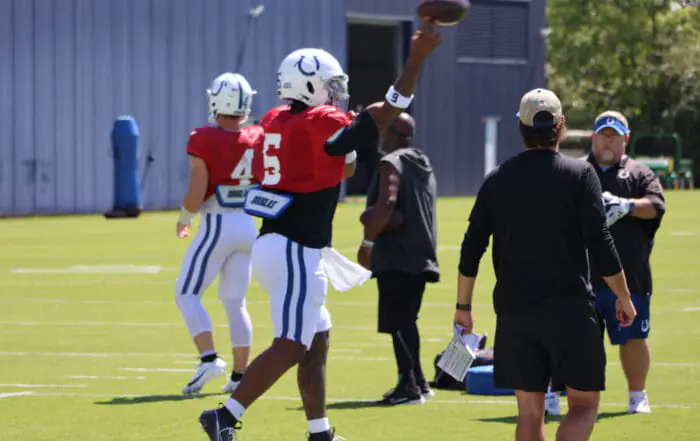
x: 546, y: 215
x: 308, y: 221
x: 634, y: 237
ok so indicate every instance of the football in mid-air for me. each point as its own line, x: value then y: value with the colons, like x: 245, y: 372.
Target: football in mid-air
x: 444, y: 12
x: 393, y: 223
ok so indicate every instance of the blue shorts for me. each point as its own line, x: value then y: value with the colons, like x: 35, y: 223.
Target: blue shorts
x: 605, y: 303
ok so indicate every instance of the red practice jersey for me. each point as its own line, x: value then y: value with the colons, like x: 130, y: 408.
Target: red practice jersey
x: 295, y: 159
x: 232, y: 158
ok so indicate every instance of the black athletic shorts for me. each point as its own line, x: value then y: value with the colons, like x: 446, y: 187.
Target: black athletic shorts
x: 400, y: 297
x: 562, y: 343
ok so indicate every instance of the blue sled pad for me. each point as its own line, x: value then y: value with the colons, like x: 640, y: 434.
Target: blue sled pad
x: 479, y: 381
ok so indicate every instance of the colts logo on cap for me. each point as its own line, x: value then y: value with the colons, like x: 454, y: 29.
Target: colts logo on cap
x: 623, y: 174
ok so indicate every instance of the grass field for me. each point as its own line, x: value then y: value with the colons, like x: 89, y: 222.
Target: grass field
x: 92, y: 350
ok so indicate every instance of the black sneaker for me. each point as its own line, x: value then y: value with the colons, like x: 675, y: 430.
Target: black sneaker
x: 218, y: 425
x: 403, y: 394
x: 325, y: 436
x: 482, y: 342
x: 426, y: 391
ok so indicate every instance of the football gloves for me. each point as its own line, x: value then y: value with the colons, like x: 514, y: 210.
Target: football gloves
x: 616, y: 207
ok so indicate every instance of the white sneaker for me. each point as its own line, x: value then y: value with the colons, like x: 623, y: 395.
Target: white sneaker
x: 230, y: 386
x: 639, y: 402
x: 551, y: 404
x: 206, y: 372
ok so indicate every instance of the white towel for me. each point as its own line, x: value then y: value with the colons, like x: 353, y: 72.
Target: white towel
x: 343, y: 273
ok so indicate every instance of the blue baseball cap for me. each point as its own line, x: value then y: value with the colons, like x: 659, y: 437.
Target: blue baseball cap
x: 612, y: 120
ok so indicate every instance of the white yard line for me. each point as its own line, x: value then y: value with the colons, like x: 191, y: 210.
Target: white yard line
x: 168, y: 370
x: 351, y: 358
x: 193, y: 357
x: 465, y: 400
x: 168, y: 325
x: 94, y: 269
x: 331, y: 302
x: 661, y: 363
x: 76, y: 282
x: 81, y: 324
x: 385, y: 344
x: 440, y: 248
x: 32, y: 386
x: 106, y: 377
x: 108, y: 301
x: 684, y: 233
x: 364, y: 345
x: 16, y: 394
x: 93, y: 354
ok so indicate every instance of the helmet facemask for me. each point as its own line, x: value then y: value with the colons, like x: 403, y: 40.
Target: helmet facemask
x: 338, y: 95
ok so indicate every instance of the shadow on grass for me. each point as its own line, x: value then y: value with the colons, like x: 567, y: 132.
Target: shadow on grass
x: 604, y: 415
x: 514, y: 419
x: 356, y: 404
x: 547, y: 419
x: 142, y: 399
x: 348, y: 405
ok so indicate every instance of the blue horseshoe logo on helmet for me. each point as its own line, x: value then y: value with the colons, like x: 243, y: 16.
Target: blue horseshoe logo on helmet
x: 221, y: 86
x: 301, y: 69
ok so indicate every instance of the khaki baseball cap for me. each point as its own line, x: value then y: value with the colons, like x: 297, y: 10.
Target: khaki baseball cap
x: 536, y: 101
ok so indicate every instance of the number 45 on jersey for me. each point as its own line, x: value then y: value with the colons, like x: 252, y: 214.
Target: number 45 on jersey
x: 244, y: 169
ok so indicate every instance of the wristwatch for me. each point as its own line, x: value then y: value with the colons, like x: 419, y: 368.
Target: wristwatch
x: 464, y: 306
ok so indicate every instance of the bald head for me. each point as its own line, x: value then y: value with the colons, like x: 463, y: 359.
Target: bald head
x: 399, y: 134
x: 404, y: 125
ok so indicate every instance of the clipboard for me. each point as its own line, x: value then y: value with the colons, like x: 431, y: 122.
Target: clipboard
x: 458, y: 356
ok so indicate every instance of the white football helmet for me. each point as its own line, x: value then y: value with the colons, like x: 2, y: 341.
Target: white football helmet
x: 230, y: 94
x: 313, y: 77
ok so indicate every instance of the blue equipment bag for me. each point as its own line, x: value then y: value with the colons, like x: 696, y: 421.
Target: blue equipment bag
x: 480, y: 382
x: 125, y: 149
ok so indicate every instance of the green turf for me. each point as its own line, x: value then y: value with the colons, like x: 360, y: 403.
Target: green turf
x: 112, y: 326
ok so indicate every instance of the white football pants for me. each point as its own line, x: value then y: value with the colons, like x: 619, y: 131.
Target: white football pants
x: 222, y: 246
x: 296, y: 282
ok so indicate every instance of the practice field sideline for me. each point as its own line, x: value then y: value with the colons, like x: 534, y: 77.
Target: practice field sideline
x: 92, y: 346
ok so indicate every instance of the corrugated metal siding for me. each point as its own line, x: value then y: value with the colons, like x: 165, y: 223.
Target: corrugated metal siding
x: 7, y: 151
x: 453, y: 98
x: 72, y: 67
x: 396, y: 8
x: 75, y: 66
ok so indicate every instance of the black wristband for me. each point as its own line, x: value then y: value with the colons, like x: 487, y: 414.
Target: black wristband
x: 464, y: 306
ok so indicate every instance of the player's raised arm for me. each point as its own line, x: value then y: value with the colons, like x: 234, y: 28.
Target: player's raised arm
x: 364, y: 131
x: 400, y: 94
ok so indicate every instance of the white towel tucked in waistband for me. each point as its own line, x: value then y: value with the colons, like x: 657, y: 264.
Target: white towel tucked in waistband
x: 343, y: 273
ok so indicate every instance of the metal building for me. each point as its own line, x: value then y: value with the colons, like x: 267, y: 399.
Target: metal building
x: 71, y: 67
